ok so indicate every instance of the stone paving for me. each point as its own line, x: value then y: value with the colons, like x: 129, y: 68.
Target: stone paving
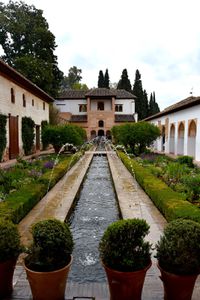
x: 133, y: 202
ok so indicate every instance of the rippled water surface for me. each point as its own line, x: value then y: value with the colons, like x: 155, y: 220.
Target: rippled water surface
x: 95, y: 210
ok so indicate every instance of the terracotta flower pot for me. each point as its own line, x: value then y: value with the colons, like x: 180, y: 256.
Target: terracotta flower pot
x: 125, y: 285
x: 6, y: 277
x: 48, y: 285
x: 177, y: 287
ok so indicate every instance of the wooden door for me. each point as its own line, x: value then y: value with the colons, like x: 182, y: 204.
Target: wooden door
x: 13, y: 137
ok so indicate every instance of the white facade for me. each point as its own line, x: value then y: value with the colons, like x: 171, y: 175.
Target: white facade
x: 70, y: 105
x: 97, y: 110
x: 180, y: 131
x: 20, y: 99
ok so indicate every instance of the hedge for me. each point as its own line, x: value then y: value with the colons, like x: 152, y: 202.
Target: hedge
x: 20, y: 202
x: 170, y: 203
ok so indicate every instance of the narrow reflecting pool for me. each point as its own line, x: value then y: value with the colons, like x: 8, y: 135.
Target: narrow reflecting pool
x: 96, y: 208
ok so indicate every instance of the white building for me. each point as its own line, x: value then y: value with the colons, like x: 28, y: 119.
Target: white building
x: 97, y: 110
x: 19, y: 97
x: 180, y: 128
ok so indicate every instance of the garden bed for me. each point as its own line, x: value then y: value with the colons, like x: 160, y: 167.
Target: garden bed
x: 23, y: 185
x: 171, y: 203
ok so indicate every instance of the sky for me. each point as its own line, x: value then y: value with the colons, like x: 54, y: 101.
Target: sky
x: 160, y: 38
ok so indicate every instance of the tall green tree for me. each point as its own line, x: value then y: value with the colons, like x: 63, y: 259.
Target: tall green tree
x: 101, y: 79
x: 106, y: 80
x: 29, y: 45
x: 140, y: 101
x: 124, y: 83
x: 153, y: 105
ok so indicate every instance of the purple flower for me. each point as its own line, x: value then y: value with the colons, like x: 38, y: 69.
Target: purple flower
x: 49, y: 165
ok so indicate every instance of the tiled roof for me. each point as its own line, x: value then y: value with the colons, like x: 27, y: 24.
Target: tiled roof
x: 123, y: 94
x: 72, y: 94
x: 13, y: 75
x: 78, y: 118
x: 101, y: 92
x: 96, y: 92
x: 124, y: 118
x: 188, y: 102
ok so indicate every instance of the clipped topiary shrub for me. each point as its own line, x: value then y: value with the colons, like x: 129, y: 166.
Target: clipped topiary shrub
x: 179, y: 247
x: 52, y: 246
x: 123, y: 247
x: 10, y: 246
x: 28, y: 134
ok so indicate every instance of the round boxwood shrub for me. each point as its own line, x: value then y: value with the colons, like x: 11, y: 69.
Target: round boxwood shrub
x: 52, y: 246
x: 10, y: 246
x: 178, y: 250
x: 122, y: 246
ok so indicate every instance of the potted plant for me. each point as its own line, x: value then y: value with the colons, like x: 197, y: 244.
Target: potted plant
x: 126, y: 257
x: 49, y: 259
x: 10, y: 248
x: 178, y: 254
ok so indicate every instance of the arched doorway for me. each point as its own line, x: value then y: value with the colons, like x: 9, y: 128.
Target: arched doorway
x: 192, y: 139
x: 101, y: 123
x: 181, y: 133
x: 172, y: 139
x: 100, y: 132
x: 93, y: 134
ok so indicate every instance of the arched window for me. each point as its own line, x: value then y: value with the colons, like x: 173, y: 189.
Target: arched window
x: 101, y: 123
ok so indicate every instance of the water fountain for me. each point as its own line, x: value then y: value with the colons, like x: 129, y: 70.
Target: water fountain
x: 96, y: 208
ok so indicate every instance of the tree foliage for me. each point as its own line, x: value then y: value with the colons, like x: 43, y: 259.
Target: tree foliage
x: 73, y: 77
x: 153, y: 105
x: 29, y: 45
x: 124, y: 82
x: 103, y: 80
x: 59, y: 135
x: 140, y: 106
x: 28, y: 134
x: 137, y: 136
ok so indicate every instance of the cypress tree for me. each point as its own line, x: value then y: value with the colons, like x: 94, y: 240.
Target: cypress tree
x: 106, y: 80
x: 101, y: 80
x: 153, y: 105
x: 138, y: 92
x: 144, y: 105
x: 124, y: 82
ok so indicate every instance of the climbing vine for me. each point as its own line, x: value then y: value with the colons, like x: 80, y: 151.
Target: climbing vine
x: 28, y: 134
x: 3, y: 121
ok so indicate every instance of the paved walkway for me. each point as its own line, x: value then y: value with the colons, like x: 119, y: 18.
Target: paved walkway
x: 133, y: 202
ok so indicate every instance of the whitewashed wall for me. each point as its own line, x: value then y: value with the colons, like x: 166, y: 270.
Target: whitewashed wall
x: 36, y: 112
x: 192, y: 113
x: 71, y: 106
x: 128, y: 106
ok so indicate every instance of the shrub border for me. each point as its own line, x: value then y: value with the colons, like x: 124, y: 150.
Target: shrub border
x: 19, y: 203
x: 170, y: 203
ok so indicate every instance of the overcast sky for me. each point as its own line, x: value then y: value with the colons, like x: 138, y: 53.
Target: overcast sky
x: 161, y: 38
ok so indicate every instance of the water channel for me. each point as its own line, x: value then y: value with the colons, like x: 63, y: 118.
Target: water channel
x: 95, y: 209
